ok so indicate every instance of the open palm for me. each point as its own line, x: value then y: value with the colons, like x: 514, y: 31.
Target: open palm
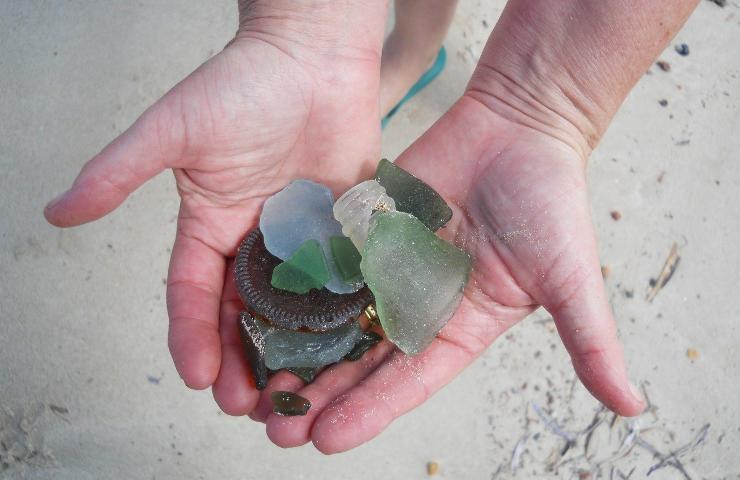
x: 521, y: 212
x: 255, y: 117
x: 237, y: 130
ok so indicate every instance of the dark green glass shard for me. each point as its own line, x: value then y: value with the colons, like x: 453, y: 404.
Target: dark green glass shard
x: 413, y: 196
x: 366, y: 342
x: 304, y: 270
x: 346, y: 258
x: 306, y: 374
x: 254, y: 348
x: 289, y: 404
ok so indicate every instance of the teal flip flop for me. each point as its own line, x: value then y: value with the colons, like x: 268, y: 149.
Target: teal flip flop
x: 424, y: 80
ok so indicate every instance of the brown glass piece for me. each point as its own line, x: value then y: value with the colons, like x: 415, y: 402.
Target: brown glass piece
x: 289, y: 404
x: 318, y: 310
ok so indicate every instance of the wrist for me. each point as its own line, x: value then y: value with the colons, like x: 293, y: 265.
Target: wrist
x: 565, y: 67
x: 521, y: 98
x: 336, y: 30
x: 523, y: 80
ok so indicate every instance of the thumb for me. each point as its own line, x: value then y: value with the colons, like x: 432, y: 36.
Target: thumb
x: 577, y: 300
x: 138, y: 154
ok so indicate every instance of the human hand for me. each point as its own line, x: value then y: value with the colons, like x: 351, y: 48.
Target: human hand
x: 268, y: 109
x: 520, y: 210
x: 510, y: 158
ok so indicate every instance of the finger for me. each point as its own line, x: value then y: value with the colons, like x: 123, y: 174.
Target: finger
x: 402, y: 383
x: 574, y: 294
x: 331, y: 383
x: 194, y: 287
x: 234, y: 389
x: 137, y: 155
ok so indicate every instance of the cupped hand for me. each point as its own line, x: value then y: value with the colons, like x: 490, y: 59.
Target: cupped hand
x: 520, y: 210
x: 262, y: 112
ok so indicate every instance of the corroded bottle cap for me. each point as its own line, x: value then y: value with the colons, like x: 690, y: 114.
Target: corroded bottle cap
x: 318, y: 310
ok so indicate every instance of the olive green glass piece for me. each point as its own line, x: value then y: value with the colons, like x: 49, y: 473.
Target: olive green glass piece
x: 413, y: 196
x: 367, y: 341
x: 346, y: 258
x: 304, y: 270
x: 289, y: 404
x: 417, y: 278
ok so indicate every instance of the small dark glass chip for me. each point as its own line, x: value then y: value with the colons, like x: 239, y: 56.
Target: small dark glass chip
x: 289, y: 404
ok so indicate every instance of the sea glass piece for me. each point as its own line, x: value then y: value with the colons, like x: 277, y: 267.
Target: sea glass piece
x: 254, y: 348
x: 354, y: 208
x: 299, y: 212
x: 368, y: 340
x: 317, y: 310
x: 305, y: 374
x: 304, y: 270
x: 289, y: 404
x: 289, y: 348
x: 417, y: 278
x: 413, y: 196
x: 346, y: 258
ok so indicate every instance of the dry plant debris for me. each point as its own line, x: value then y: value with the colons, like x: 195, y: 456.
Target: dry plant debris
x: 669, y: 268
x: 607, y: 447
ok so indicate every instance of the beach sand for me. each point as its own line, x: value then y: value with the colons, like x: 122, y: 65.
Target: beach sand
x: 87, y: 386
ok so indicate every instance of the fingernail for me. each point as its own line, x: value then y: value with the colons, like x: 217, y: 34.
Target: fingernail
x: 637, y: 394
x: 53, y: 203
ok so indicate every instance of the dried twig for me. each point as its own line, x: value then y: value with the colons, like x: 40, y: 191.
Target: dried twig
x: 516, y: 454
x: 613, y: 421
x: 626, y: 477
x: 572, y: 389
x: 589, y: 431
x: 672, y: 459
x: 669, y: 267
x: 626, y: 446
x: 552, y: 425
x: 59, y: 411
x: 632, y: 434
x: 675, y: 462
x: 625, y: 436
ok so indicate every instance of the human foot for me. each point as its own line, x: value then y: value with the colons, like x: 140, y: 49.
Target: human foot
x: 403, y: 62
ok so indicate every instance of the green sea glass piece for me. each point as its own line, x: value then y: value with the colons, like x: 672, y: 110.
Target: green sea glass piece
x: 304, y: 270
x: 413, y: 196
x: 289, y: 404
x: 290, y: 348
x: 417, y: 278
x: 346, y: 258
x: 302, y: 211
x: 368, y: 340
x: 304, y: 373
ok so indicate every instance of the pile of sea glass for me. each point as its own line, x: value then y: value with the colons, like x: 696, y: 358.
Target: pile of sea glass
x: 314, y: 267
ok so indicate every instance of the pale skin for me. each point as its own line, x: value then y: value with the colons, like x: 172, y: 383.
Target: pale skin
x: 419, y: 29
x: 297, y: 95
